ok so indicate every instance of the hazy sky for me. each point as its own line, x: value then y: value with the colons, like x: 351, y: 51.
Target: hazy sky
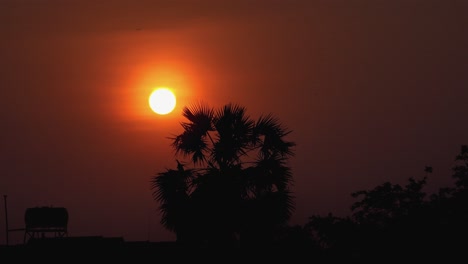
x: 373, y: 90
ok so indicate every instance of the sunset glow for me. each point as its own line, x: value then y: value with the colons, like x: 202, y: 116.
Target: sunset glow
x: 93, y: 94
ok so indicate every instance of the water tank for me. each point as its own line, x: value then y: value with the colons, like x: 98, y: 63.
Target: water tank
x: 46, y: 218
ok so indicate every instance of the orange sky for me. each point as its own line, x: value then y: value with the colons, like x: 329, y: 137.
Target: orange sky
x: 373, y: 91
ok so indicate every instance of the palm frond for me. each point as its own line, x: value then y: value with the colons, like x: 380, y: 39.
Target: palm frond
x: 273, y: 172
x: 194, y: 140
x: 167, y: 185
x: 200, y: 117
x: 234, y: 128
x: 190, y: 143
x: 269, y: 133
x: 171, y: 189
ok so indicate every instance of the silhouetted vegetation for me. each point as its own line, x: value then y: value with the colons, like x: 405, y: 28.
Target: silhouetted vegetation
x: 237, y: 189
x: 236, y: 193
x: 392, y: 221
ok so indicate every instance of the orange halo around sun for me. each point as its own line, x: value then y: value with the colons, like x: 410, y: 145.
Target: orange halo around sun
x: 162, y: 101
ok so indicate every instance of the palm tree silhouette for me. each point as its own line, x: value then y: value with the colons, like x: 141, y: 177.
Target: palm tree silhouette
x: 238, y: 188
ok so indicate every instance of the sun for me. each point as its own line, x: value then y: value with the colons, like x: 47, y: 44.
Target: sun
x: 162, y: 101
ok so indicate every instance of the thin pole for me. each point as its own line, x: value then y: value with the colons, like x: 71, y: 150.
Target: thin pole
x: 149, y: 226
x: 6, y: 218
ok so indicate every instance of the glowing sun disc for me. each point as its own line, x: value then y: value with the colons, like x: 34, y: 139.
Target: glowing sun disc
x: 162, y: 101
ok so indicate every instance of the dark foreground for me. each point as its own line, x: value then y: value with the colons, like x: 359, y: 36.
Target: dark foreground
x: 93, y: 249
